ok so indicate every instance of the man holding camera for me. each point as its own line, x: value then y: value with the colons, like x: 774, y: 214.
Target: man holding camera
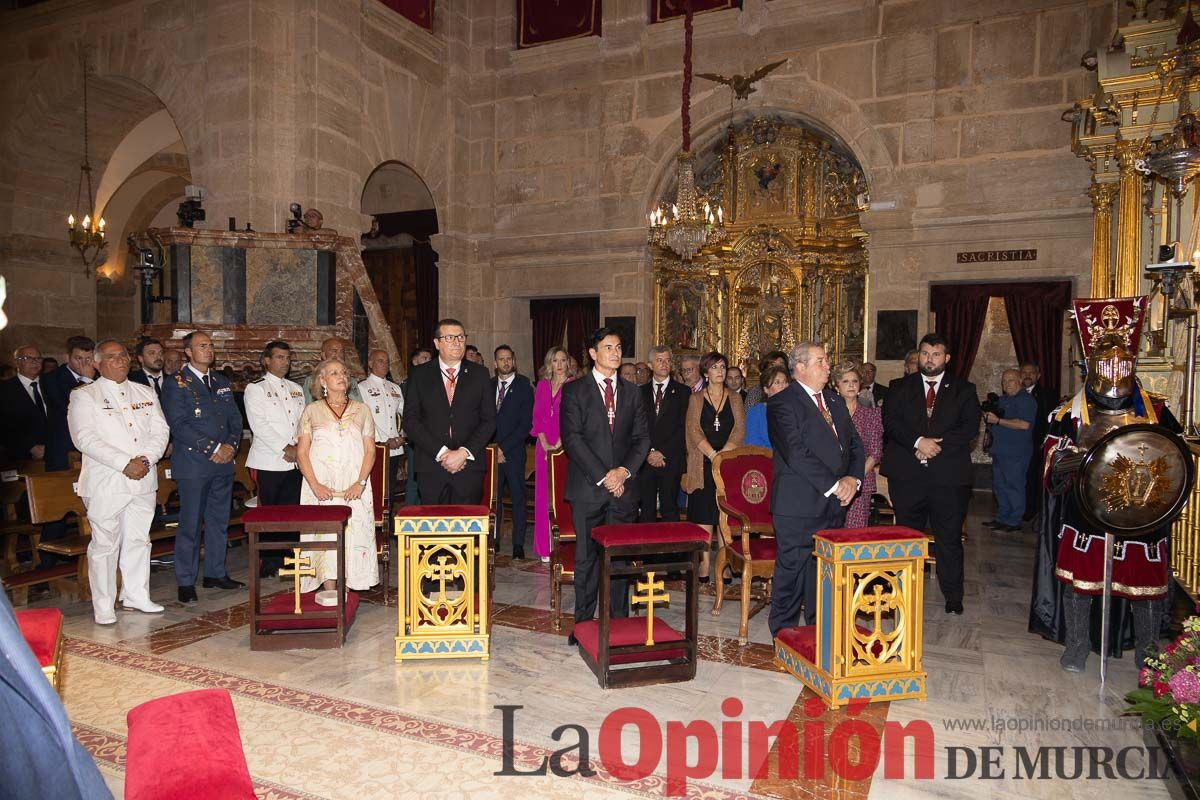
x: 1010, y: 421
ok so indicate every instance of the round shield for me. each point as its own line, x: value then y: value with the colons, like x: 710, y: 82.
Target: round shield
x: 1134, y: 480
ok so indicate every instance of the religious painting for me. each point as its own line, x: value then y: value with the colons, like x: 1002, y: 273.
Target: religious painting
x: 895, y: 334
x: 542, y: 21
x: 626, y: 328
x: 768, y: 184
x: 681, y: 316
x: 765, y: 315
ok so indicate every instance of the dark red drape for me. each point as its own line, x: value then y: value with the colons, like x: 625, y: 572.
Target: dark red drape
x: 577, y: 316
x: 663, y: 10
x: 1034, y: 316
x: 542, y: 21
x: 427, y: 292
x: 418, y: 11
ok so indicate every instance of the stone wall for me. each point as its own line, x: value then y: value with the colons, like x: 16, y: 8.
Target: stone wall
x: 542, y: 163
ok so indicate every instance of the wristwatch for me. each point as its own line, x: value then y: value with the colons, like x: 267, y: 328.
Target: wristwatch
x: 363, y: 482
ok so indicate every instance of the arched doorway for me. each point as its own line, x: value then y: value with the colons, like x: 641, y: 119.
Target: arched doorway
x: 399, y: 259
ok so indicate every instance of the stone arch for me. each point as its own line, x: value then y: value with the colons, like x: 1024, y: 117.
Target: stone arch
x: 823, y: 108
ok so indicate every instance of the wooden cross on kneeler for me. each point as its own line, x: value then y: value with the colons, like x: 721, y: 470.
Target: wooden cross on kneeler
x: 302, y: 566
x: 654, y: 592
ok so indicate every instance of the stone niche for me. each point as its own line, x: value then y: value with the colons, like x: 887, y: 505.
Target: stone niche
x: 248, y: 288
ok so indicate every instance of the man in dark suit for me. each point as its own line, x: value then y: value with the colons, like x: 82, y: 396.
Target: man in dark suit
x: 206, y: 429
x: 23, y: 408
x: 514, y: 418
x: 818, y: 468
x: 150, y: 355
x: 606, y: 436
x: 666, y: 403
x: 79, y: 370
x: 449, y: 417
x: 875, y: 391
x: 1047, y: 401
x: 930, y: 419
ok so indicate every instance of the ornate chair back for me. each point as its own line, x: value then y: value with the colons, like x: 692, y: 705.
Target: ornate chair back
x: 562, y: 532
x: 743, y: 482
x: 381, y: 499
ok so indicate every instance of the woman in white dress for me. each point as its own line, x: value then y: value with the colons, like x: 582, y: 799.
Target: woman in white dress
x: 335, y: 447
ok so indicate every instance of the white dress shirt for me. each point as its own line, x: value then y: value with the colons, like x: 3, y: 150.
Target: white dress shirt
x: 937, y: 385
x: 273, y: 409
x: 458, y: 368
x: 386, y: 402
x: 28, y: 384
x: 111, y: 424
x: 599, y: 377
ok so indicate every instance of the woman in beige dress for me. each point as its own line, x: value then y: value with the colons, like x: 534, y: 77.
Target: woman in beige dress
x: 335, y: 448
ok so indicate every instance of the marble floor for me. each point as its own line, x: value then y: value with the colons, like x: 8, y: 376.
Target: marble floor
x: 352, y: 723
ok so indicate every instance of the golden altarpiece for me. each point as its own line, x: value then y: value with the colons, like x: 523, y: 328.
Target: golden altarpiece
x: 793, y: 266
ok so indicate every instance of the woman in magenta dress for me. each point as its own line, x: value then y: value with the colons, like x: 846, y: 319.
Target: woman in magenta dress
x: 546, y: 399
x: 868, y: 422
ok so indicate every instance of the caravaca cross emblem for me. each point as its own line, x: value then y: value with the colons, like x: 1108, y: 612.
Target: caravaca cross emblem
x: 1129, y: 484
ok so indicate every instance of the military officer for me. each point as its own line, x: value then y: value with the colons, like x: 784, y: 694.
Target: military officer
x: 120, y: 430
x: 273, y: 408
x: 386, y: 402
x: 206, y: 428
x: 334, y: 348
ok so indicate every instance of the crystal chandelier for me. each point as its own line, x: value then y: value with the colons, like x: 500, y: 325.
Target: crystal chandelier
x: 689, y: 224
x: 88, y: 237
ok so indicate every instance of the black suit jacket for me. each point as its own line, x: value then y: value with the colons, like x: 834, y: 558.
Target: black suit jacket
x: 56, y: 390
x: 514, y: 418
x: 667, y: 426
x: 809, y: 459
x: 24, y: 425
x: 955, y: 420
x: 592, y: 448
x: 878, y: 392
x: 1046, y: 403
x: 431, y: 423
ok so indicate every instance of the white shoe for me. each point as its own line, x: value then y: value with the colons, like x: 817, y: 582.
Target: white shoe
x: 326, y: 597
x: 545, y: 559
x: 146, y: 608
x: 106, y: 619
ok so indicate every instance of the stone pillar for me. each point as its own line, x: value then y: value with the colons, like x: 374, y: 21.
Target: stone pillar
x: 1102, y: 195
x: 1129, y: 220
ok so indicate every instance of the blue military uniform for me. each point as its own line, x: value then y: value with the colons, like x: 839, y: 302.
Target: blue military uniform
x: 201, y: 420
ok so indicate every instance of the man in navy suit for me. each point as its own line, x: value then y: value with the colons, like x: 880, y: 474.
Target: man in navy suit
x: 79, y: 370
x: 514, y: 418
x: 929, y: 421
x: 818, y: 469
x: 206, y: 429
x: 449, y: 416
x: 23, y: 407
x: 605, y: 434
x: 666, y: 410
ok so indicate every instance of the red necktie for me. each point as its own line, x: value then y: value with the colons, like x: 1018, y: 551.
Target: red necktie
x: 658, y: 396
x: 450, y: 381
x: 610, y: 403
x: 929, y: 398
x: 500, y: 397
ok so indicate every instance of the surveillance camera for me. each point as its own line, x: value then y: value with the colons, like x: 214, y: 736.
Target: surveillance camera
x: 193, y: 192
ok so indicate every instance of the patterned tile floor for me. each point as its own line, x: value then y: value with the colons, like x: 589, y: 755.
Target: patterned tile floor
x: 433, y: 729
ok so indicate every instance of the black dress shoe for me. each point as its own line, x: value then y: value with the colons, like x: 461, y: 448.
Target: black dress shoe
x: 954, y: 607
x: 571, y: 640
x: 223, y: 583
x: 518, y: 555
x: 187, y: 594
x: 266, y: 570
x: 991, y: 523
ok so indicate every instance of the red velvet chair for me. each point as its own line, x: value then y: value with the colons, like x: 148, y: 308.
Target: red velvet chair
x: 381, y: 494
x: 562, y: 534
x: 42, y: 630
x: 743, y: 480
x: 186, y: 745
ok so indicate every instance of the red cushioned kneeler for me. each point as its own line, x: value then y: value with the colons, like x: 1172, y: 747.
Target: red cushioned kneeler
x: 285, y: 603
x: 42, y: 630
x: 608, y: 642
x: 186, y: 746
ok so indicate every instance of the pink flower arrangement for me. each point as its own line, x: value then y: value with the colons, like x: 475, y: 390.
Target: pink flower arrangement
x: 1168, y: 690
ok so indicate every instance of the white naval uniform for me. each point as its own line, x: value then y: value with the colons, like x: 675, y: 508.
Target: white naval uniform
x: 273, y: 409
x: 111, y: 423
x: 386, y: 402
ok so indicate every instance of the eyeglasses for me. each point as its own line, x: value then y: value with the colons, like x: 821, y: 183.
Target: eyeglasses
x: 454, y: 337
x: 29, y: 358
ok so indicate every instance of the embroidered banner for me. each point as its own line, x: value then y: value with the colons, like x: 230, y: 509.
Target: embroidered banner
x: 663, y: 10
x: 542, y: 21
x: 417, y: 11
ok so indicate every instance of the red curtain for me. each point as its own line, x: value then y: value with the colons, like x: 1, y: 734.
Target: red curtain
x: 418, y: 11
x: 663, y: 10
x: 542, y: 21
x: 577, y: 317
x: 1034, y: 316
